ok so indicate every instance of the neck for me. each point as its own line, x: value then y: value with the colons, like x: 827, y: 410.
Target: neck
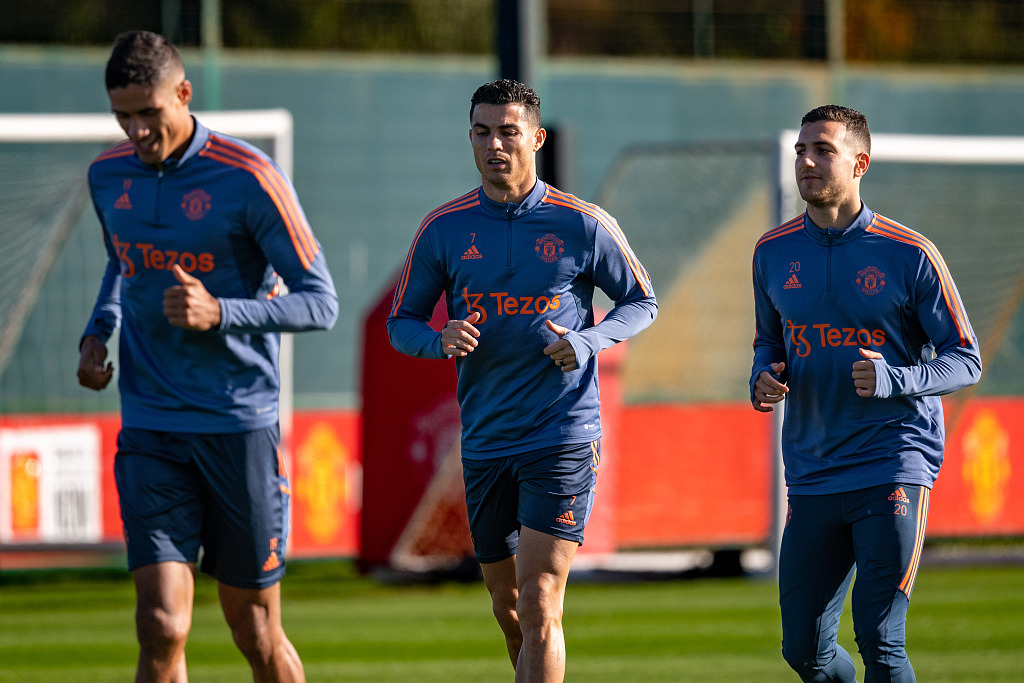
x: 837, y: 217
x: 507, y: 194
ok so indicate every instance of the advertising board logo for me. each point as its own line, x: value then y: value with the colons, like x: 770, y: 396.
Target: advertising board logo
x: 986, y: 468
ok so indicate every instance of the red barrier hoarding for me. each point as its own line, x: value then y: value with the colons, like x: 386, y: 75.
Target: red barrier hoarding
x: 694, y: 475
x: 673, y: 475
x: 325, y: 473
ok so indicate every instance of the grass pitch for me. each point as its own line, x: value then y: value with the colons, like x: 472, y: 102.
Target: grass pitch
x: 965, y: 624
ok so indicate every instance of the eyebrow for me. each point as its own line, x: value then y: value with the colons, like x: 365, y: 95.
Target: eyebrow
x: 814, y: 143
x: 140, y: 111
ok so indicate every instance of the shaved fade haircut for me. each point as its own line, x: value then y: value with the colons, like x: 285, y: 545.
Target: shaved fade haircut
x: 855, y: 122
x: 141, y: 58
x: 507, y: 91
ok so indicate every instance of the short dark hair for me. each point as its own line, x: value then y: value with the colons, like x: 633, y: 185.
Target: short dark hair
x: 508, y: 91
x: 141, y: 58
x: 855, y: 122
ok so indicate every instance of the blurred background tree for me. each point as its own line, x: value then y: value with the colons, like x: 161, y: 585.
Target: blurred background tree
x: 916, y: 31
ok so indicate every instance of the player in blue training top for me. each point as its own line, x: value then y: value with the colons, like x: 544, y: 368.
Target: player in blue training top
x: 198, y: 227
x: 518, y: 261
x: 860, y: 329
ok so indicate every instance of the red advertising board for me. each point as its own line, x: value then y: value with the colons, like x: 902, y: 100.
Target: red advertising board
x: 326, y: 479
x: 672, y: 475
x: 692, y: 475
x: 325, y: 474
x: 978, y: 492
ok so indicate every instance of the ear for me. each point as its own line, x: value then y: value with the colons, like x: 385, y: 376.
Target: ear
x: 538, y: 139
x: 185, y: 92
x: 860, y: 167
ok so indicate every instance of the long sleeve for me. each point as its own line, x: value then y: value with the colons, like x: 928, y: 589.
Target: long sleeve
x: 620, y: 275
x: 420, y: 286
x: 279, y: 228
x: 957, y: 359
x: 769, y: 343
x: 106, y: 314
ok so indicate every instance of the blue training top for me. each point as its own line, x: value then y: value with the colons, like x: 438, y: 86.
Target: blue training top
x: 819, y: 296
x: 228, y: 216
x: 519, y: 265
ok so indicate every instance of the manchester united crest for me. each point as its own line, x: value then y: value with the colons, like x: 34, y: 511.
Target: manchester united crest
x: 870, y: 280
x: 549, y: 248
x: 195, y: 204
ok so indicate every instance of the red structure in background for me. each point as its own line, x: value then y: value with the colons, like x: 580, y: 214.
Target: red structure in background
x: 410, y: 423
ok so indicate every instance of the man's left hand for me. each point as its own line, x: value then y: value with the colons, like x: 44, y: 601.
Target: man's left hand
x: 561, y: 351
x: 189, y: 305
x: 864, y: 373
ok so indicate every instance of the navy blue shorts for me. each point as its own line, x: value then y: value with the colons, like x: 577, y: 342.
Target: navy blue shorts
x: 551, y: 491
x: 225, y: 493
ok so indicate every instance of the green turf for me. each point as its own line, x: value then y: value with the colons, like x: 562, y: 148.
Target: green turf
x: 965, y: 625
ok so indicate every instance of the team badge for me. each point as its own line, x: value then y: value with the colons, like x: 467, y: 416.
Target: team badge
x: 870, y: 280
x: 549, y: 248
x: 195, y: 205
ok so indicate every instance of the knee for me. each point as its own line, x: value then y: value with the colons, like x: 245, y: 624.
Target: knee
x: 503, y: 606
x: 884, y: 659
x: 540, y: 604
x: 160, y: 630
x: 254, y: 638
x: 803, y: 659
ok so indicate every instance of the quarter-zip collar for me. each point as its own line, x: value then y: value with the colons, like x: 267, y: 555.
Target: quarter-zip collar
x: 510, y: 211
x: 200, y: 136
x: 831, y: 237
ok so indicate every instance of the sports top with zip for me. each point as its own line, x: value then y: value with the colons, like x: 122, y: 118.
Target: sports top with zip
x: 519, y: 265
x: 228, y: 216
x: 822, y: 294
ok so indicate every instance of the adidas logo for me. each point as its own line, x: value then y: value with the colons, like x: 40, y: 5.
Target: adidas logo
x: 123, y: 202
x: 792, y: 283
x: 566, y: 518
x: 899, y: 495
x: 472, y: 253
x: 272, y: 562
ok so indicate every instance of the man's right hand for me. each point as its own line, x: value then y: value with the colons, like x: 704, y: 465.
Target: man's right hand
x: 769, y: 390
x: 92, y: 373
x: 458, y: 337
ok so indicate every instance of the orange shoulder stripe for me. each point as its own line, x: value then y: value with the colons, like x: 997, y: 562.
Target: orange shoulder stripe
x: 284, y: 197
x: 881, y: 225
x: 611, y: 226
x: 466, y: 201
x: 444, y: 208
x: 791, y: 226
x: 121, y: 149
x: 276, y: 187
